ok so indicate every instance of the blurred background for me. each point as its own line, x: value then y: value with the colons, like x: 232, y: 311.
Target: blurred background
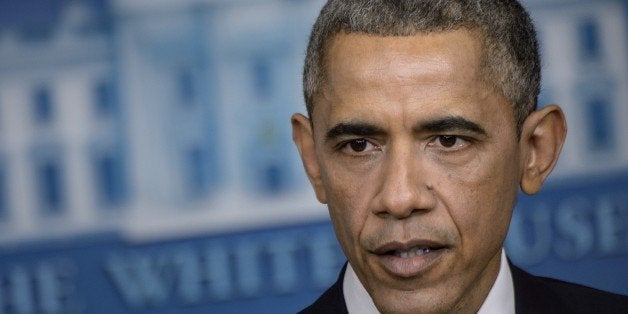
x: 146, y: 161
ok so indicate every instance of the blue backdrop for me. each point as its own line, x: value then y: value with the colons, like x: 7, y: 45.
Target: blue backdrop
x: 146, y: 162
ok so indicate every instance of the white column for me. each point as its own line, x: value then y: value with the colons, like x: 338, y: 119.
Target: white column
x: 15, y: 97
x: 74, y: 116
x: 148, y: 97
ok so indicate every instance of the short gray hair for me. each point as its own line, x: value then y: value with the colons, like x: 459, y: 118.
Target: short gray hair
x: 510, y: 62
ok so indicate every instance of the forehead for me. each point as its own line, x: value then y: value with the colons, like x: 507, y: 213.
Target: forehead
x: 439, y: 71
x: 423, y: 51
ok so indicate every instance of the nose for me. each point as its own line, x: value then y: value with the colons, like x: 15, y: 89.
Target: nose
x: 405, y: 188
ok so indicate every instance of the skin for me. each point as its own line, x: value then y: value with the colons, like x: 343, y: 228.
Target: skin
x: 409, y: 148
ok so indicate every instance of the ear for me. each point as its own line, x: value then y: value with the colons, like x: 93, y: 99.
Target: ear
x: 542, y: 137
x: 303, y: 137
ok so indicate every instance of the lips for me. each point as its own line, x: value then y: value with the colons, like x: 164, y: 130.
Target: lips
x: 415, y: 251
x: 409, y: 259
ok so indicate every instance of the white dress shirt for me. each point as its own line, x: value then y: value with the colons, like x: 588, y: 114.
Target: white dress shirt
x: 500, y: 299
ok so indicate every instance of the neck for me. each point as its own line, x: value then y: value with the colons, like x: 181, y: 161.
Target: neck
x: 474, y: 297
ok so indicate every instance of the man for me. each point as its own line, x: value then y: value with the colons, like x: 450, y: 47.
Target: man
x: 422, y: 127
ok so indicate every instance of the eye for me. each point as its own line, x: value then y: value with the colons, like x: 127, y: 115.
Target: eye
x: 357, y: 146
x: 450, y: 141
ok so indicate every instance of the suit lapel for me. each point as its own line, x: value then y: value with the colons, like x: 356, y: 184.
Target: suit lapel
x: 332, y: 300
x: 531, y: 294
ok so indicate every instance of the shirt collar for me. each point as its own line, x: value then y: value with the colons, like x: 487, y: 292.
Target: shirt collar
x: 500, y: 299
x: 357, y: 298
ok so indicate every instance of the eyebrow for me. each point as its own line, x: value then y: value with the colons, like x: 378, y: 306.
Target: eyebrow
x: 352, y: 128
x: 447, y: 124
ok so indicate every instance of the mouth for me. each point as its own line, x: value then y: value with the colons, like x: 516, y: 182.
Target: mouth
x: 409, y: 259
x: 412, y: 252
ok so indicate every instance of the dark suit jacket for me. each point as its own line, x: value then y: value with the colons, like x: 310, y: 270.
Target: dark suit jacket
x: 533, y: 294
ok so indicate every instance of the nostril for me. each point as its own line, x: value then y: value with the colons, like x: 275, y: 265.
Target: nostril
x: 404, y: 202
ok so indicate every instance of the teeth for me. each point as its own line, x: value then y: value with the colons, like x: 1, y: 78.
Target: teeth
x: 415, y: 251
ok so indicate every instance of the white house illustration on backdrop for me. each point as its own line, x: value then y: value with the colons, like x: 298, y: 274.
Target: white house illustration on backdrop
x: 146, y: 118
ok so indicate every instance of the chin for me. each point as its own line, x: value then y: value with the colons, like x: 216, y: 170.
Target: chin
x: 410, y: 302
x: 400, y: 308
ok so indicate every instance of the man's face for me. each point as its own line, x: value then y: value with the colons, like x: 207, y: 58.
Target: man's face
x: 419, y: 163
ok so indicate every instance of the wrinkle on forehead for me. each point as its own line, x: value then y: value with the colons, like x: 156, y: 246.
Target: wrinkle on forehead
x: 393, y: 81
x: 401, y: 60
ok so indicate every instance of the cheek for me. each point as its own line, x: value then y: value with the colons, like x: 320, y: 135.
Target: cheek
x: 480, y: 198
x: 347, y: 199
x: 489, y: 177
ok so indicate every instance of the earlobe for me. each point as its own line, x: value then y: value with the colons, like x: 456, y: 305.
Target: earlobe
x: 542, y: 138
x: 303, y: 137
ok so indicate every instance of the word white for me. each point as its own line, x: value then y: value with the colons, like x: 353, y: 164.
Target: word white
x: 219, y: 271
